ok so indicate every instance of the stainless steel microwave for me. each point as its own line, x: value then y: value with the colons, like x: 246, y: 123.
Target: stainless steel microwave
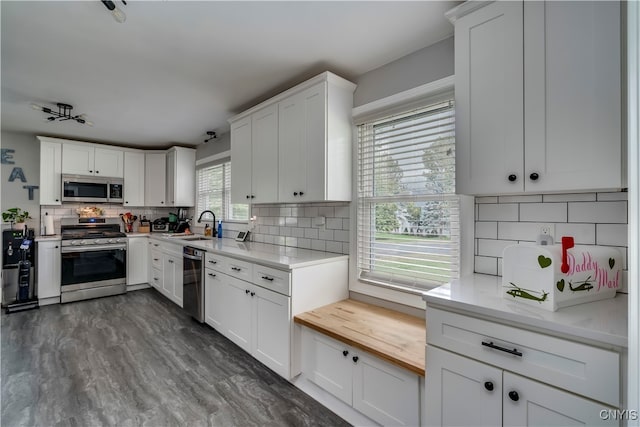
x: 92, y: 189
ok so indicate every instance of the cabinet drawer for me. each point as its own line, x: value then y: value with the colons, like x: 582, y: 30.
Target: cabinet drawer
x: 273, y: 279
x: 239, y: 269
x: 156, y: 278
x: 156, y: 259
x: 215, y: 262
x: 580, y: 368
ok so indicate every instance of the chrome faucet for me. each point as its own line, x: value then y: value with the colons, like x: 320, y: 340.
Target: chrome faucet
x: 214, y: 230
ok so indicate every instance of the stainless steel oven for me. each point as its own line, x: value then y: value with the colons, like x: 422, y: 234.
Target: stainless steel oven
x: 94, y: 261
x: 92, y: 189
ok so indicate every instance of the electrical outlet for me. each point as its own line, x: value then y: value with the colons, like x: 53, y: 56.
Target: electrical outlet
x: 546, y: 230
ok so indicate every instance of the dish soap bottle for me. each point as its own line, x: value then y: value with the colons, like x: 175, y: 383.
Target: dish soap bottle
x: 207, y: 230
x: 220, y: 229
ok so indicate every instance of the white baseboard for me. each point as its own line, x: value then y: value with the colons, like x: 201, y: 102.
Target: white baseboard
x: 137, y: 287
x: 332, y: 403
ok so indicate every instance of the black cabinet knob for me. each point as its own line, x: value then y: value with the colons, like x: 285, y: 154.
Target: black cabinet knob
x: 246, y: 291
x: 90, y: 171
x: 252, y: 196
x: 301, y: 193
x: 295, y: 193
x: 513, y: 395
x: 345, y: 353
x: 488, y: 385
x: 97, y: 171
x: 512, y: 177
x: 253, y: 294
x: 247, y: 196
x: 355, y: 359
x: 127, y: 202
x: 534, y: 176
x: 57, y: 200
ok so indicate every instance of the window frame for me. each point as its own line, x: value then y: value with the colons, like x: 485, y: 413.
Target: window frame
x: 225, y: 164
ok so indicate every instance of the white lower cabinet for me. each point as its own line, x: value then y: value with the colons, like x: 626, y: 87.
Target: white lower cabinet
x: 137, y: 255
x: 256, y: 319
x: 165, y: 269
x: 253, y: 305
x: 383, y: 392
x: 48, y: 269
x: 485, y: 373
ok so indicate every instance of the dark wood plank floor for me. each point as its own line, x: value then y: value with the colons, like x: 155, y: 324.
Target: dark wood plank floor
x: 138, y: 360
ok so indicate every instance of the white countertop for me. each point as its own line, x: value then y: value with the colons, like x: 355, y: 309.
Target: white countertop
x: 602, y: 322
x: 281, y: 257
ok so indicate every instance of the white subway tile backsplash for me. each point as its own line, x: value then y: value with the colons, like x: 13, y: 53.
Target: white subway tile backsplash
x: 611, y: 234
x: 619, y: 195
x: 598, y: 212
x: 346, y: 223
x: 486, y: 265
x: 291, y: 221
x: 498, y: 212
x: 304, y: 222
x: 297, y: 232
x: 335, y: 247
x: 583, y: 234
x: 334, y: 223
x: 318, y: 245
x: 304, y: 243
x: 345, y: 248
x: 492, y: 248
x: 543, y: 212
x: 486, y: 230
x: 527, y: 231
x: 325, y: 235
x: 311, y: 211
x: 573, y: 197
x: 589, y: 218
x: 326, y: 211
x: 341, y: 235
x: 535, y: 198
x: 311, y: 233
x: 343, y: 212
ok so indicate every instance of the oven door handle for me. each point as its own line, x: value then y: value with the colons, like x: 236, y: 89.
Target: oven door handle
x: 92, y: 248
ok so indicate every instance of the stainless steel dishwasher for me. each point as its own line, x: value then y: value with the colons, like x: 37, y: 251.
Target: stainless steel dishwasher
x: 193, y: 287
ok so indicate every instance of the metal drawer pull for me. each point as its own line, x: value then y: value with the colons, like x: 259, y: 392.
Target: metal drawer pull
x: 213, y: 262
x: 212, y: 275
x: 268, y: 278
x: 236, y: 268
x: 490, y: 344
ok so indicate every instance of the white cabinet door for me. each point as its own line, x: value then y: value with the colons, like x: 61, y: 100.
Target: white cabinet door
x: 271, y: 329
x: 155, y: 179
x: 292, y: 149
x: 237, y: 315
x: 168, y: 275
x: 461, y: 391
x: 170, y: 178
x: 78, y: 159
x: 137, y: 260
x: 181, y: 177
x: 133, y: 178
x: 530, y: 403
x: 316, y: 144
x: 572, y: 95
x: 385, y: 393
x: 48, y: 269
x: 50, y: 173
x: 489, y: 99
x: 109, y: 162
x: 264, y: 155
x: 326, y: 362
x: 241, y: 159
x: 214, y: 305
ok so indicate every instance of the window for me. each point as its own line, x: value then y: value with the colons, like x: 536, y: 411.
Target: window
x: 214, y: 193
x: 408, y: 220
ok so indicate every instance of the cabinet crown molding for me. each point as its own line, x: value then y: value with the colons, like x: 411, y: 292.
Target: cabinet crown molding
x: 327, y: 76
x: 464, y: 9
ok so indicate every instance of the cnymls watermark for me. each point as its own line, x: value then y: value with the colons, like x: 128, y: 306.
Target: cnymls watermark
x: 619, y: 414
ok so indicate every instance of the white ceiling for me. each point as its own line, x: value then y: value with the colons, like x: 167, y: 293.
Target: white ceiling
x: 175, y: 70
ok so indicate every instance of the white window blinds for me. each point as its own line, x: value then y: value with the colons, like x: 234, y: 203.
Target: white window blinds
x: 408, y: 221
x: 214, y: 193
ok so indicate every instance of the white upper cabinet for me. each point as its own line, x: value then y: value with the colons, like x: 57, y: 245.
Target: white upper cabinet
x: 538, y: 105
x: 300, y: 145
x: 181, y: 177
x: 241, y: 155
x: 50, y: 172
x: 87, y: 159
x: 134, y: 178
x: 264, y: 155
x: 155, y: 179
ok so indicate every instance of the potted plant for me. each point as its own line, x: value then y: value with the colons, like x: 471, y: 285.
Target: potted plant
x: 15, y: 216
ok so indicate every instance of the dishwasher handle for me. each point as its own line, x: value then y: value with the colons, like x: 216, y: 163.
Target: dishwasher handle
x: 195, y: 258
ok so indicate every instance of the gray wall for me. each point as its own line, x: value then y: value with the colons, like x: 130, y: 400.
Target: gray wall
x: 26, y: 156
x: 423, y: 66
x: 216, y: 146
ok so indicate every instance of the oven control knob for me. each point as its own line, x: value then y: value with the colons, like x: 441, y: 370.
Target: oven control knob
x: 73, y: 242
x: 83, y: 242
x: 110, y: 240
x: 98, y: 241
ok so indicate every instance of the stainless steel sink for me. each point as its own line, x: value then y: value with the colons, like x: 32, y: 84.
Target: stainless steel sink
x: 193, y: 238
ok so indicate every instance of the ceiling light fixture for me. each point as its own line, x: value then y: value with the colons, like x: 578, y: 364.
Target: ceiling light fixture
x: 118, y: 15
x: 212, y: 135
x: 63, y: 113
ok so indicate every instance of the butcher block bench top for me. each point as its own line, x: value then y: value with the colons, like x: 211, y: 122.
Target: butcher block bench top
x: 393, y: 336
